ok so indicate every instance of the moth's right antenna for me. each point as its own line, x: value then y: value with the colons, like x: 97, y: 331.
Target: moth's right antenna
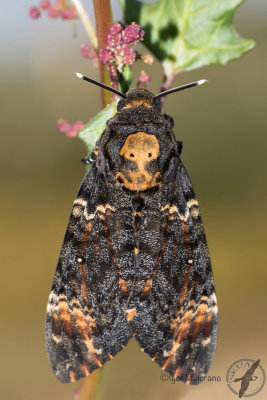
x: 187, y: 86
x: 102, y: 85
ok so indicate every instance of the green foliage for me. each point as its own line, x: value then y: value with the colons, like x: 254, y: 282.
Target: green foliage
x: 125, y: 78
x: 93, y: 130
x: 188, y: 34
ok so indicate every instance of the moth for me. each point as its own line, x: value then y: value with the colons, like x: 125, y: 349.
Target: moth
x: 134, y: 260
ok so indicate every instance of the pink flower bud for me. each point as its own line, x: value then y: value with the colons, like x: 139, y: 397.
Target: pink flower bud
x: 69, y: 13
x: 34, y: 13
x: 88, y: 52
x: 115, y: 28
x: 62, y: 125
x: 76, y: 394
x: 144, y: 78
x: 78, y: 125
x: 70, y: 130
x: 106, y: 56
x: 52, y: 12
x: 147, y: 58
x: 74, y: 129
x: 45, y: 4
x: 128, y: 54
x: 133, y: 33
x: 85, y: 48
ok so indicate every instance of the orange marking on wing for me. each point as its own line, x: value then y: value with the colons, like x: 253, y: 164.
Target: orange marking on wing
x: 136, y: 251
x: 97, y: 361
x: 181, y: 333
x: 177, y: 372
x: 147, y: 287
x: 83, y: 330
x: 188, y: 379
x: 185, y: 285
x: 122, y: 345
x: 185, y: 234
x: 123, y: 287
x: 72, y: 375
x: 66, y: 318
x: 81, y: 248
x: 98, y: 250
x: 114, y: 259
x: 175, y: 322
x: 159, y: 257
x: 110, y: 356
x: 167, y: 362
x: 154, y: 358
x: 208, y: 325
x: 139, y: 213
x: 84, y: 287
x: 184, y: 327
x: 85, y: 369
x: 55, y: 325
x: 131, y: 314
x: 81, y: 323
x: 198, y: 322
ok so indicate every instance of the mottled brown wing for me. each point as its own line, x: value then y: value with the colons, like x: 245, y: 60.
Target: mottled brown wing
x: 86, y: 321
x: 174, y: 302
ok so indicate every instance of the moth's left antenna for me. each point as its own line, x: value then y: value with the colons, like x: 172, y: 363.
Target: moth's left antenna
x: 102, y: 85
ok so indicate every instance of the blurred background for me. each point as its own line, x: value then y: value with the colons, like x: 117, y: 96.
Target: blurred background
x: 223, y: 128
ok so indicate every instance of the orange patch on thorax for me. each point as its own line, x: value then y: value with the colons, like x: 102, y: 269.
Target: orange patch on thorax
x: 138, y: 103
x: 140, y: 148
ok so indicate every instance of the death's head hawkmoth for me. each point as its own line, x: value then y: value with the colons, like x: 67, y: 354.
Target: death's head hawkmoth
x: 134, y: 260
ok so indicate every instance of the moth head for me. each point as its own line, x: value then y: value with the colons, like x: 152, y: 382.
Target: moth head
x: 139, y: 98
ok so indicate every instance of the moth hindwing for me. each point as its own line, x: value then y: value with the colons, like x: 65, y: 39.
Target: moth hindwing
x: 134, y: 261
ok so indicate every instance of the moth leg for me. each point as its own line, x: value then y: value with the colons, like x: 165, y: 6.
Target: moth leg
x: 180, y: 146
x: 87, y: 160
x: 92, y: 158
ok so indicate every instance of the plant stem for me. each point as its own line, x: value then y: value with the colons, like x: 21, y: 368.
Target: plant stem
x: 103, y: 18
x: 90, y: 387
x: 86, y: 22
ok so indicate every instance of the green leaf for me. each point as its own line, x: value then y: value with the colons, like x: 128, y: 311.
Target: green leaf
x: 93, y: 130
x: 125, y: 78
x: 188, y: 34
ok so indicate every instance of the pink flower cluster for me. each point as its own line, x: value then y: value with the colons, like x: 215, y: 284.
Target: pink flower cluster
x: 70, y: 130
x: 118, y: 51
x: 88, y: 52
x: 144, y: 80
x: 62, y: 9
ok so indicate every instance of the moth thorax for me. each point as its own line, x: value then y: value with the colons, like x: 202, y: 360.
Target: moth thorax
x: 139, y: 168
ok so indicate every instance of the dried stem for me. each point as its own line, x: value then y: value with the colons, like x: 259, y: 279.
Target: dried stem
x: 103, y: 17
x: 86, y: 22
x: 90, y: 386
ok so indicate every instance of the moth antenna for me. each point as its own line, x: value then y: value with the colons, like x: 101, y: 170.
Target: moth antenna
x: 85, y: 78
x: 177, y: 89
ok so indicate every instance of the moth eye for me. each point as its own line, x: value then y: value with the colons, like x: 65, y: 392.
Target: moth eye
x: 149, y: 154
x: 120, y: 180
x: 131, y: 155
